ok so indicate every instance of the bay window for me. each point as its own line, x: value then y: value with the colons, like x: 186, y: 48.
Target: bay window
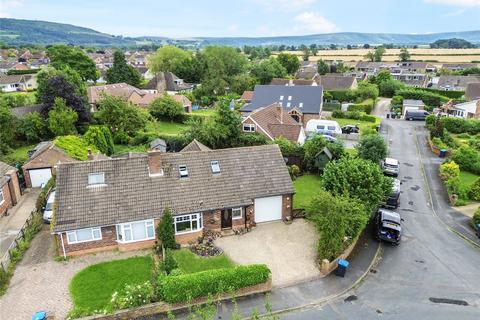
x: 135, y: 231
x: 188, y: 223
x: 84, y: 235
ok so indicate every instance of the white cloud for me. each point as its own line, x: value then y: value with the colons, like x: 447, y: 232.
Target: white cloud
x: 456, y: 3
x: 232, y: 28
x: 5, y: 7
x: 310, y: 21
x: 455, y: 13
x: 285, y: 4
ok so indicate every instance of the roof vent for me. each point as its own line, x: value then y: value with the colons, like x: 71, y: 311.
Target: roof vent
x: 183, y: 171
x: 215, y: 166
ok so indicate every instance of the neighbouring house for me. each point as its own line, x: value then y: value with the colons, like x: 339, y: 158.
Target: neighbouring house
x: 12, y: 65
x: 167, y: 82
x: 117, y: 203
x: 417, y: 80
x: 246, y: 96
x: 333, y: 82
x: 458, y: 83
x: 459, y: 66
x: 472, y: 92
x: 158, y: 145
x: 292, y: 82
x: 130, y: 93
x: 307, y: 73
x: 274, y: 122
x: 10, y: 191
x: 301, y: 102
x: 466, y: 110
x: 410, y: 104
x: 414, y: 67
x: 21, y: 82
x: 195, y: 145
x: 371, y: 68
x: 186, y: 103
x: 42, y: 164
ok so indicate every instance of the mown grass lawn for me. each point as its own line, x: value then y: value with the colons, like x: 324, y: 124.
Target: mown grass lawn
x: 166, y: 127
x: 306, y: 187
x: 122, y: 148
x: 189, y: 262
x: 204, y: 112
x: 92, y: 288
x: 18, y: 155
x: 361, y: 124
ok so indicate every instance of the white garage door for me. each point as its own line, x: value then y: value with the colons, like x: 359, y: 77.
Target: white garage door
x: 268, y: 209
x: 39, y: 176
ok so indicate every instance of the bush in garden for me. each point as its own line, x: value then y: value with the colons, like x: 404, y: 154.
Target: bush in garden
x: 368, y: 118
x: 166, y: 232
x: 476, y: 217
x: 474, y: 192
x: 467, y: 158
x: 100, y: 137
x: 211, y: 282
x: 132, y: 296
x: 167, y: 108
x: 397, y: 100
x: 372, y: 147
x: 168, y: 264
x: 294, y: 171
x: 453, y: 186
x: 449, y: 170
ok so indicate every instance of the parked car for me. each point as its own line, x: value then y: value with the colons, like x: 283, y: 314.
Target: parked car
x: 393, y: 200
x: 391, y: 167
x: 48, y: 209
x: 477, y: 230
x: 416, y: 115
x: 348, y: 129
x: 387, y: 226
x: 329, y: 138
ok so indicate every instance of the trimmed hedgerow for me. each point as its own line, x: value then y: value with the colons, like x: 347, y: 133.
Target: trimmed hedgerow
x: 190, y: 286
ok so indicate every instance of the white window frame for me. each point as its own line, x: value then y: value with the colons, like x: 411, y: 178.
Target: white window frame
x: 122, y: 227
x: 191, y: 217
x: 281, y: 98
x: 74, y: 233
x: 251, y: 127
x: 102, y: 174
x: 215, y: 165
x: 289, y: 98
x: 181, y: 172
x: 241, y: 213
x: 2, y: 197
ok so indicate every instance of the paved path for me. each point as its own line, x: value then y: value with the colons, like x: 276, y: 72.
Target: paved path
x: 434, y: 272
x: 11, y: 224
x: 381, y: 107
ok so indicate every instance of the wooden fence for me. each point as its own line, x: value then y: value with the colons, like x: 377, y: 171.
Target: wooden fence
x: 7, y: 257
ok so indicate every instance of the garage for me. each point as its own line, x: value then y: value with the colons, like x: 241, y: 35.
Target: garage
x: 268, y: 209
x: 39, y: 176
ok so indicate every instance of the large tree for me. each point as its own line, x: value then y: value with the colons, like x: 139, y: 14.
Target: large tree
x: 101, y: 138
x: 123, y: 72
x: 32, y: 127
x: 322, y: 67
x: 404, y: 55
x: 168, y: 58
x: 62, y: 119
x: 357, y: 178
x: 166, y: 108
x: 73, y: 57
x: 289, y: 61
x: 268, y: 69
x: 372, y: 147
x: 7, y: 124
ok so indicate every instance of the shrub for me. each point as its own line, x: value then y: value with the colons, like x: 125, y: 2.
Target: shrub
x: 449, y: 170
x: 191, y: 286
x: 132, y: 296
x: 397, y: 100
x: 331, y: 106
x: 474, y: 192
x: 294, y: 171
x: 42, y: 197
x: 467, y: 158
x: 389, y: 87
x: 168, y: 263
x: 372, y: 147
x: 165, y: 231
x: 166, y: 108
x: 453, y: 186
x: 429, y: 98
x: 368, y: 118
x: 476, y: 217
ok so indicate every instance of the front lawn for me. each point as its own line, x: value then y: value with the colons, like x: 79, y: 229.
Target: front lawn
x: 189, y: 262
x: 306, y: 187
x: 204, y: 112
x: 92, y: 288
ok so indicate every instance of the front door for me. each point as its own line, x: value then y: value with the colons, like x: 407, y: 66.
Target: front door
x: 226, y: 218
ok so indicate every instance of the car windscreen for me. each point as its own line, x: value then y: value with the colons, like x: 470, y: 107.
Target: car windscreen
x: 49, y: 206
x: 392, y: 166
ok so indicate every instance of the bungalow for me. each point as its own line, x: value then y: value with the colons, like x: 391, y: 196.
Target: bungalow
x: 117, y: 203
x: 466, y: 110
x: 473, y: 91
x: 459, y: 66
x: 274, y: 122
x: 42, y: 163
x: 12, y: 83
x: 168, y: 82
x: 10, y: 191
x: 453, y: 82
x: 307, y: 73
x: 301, y: 102
x: 333, y: 82
x: 417, y: 80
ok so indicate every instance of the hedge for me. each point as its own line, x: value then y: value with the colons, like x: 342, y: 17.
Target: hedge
x: 355, y: 115
x: 42, y: 197
x: 457, y: 125
x: 17, y: 72
x: 366, y: 106
x: 331, y: 106
x: 342, y: 95
x: 429, y: 98
x: 449, y: 94
x: 201, y: 284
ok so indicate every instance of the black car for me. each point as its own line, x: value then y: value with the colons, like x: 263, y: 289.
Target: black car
x: 350, y: 129
x: 393, y: 200
x: 387, y: 226
x: 477, y: 230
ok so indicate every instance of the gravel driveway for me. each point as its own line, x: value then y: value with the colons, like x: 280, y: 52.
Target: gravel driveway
x: 288, y: 250
x: 40, y: 283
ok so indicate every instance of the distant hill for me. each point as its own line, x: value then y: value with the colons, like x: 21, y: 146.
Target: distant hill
x: 18, y: 32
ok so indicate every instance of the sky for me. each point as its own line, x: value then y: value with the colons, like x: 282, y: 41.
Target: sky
x: 252, y: 18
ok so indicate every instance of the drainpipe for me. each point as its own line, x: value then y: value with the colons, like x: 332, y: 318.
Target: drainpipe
x: 63, y: 245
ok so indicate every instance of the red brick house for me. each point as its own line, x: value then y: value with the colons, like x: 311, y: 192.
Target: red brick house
x: 42, y: 164
x: 116, y: 203
x: 10, y: 191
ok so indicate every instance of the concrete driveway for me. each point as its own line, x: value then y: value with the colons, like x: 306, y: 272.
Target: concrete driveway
x: 288, y: 250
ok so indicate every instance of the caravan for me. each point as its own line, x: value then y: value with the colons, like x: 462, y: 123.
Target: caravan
x: 326, y: 127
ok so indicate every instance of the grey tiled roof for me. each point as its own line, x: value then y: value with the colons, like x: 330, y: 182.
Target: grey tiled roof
x: 195, y: 145
x: 130, y: 194
x: 310, y: 98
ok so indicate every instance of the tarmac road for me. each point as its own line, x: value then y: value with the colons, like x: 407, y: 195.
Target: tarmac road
x: 432, y: 274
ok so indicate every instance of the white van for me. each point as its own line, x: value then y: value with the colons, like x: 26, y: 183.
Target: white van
x: 323, y: 127
x: 48, y: 211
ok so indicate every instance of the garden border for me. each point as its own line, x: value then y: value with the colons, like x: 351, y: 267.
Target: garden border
x: 326, y: 267
x: 163, y: 308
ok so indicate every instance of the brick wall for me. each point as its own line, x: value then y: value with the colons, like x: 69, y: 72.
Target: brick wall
x: 7, y: 203
x: 108, y: 242
x: 15, y: 185
x: 212, y: 220
x: 287, y: 201
x: 185, y: 238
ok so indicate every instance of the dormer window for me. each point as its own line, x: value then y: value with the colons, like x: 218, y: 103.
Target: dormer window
x: 281, y: 98
x: 215, y: 166
x: 289, y: 98
x: 300, y: 105
x: 96, y: 178
x: 183, y: 171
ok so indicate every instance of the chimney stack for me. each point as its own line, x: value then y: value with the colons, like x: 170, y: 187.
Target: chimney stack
x: 90, y: 154
x: 155, y: 163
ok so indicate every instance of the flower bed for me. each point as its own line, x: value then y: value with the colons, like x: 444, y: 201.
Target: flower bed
x: 205, y: 248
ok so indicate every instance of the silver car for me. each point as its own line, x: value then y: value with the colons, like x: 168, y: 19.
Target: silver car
x: 391, y: 167
x: 48, y: 210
